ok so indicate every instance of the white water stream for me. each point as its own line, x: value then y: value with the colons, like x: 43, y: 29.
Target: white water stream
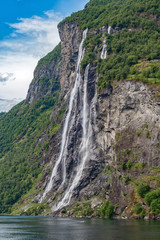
x: 104, y: 51
x: 85, y: 146
x: 87, y: 117
x: 67, y: 125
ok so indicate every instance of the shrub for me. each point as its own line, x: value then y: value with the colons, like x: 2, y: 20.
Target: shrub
x: 138, y: 134
x: 107, y: 210
x: 143, y: 189
x: 155, y: 206
x: 138, y: 208
x: 37, y: 209
x: 127, y: 179
x: 87, y: 211
x: 128, y: 151
x: 123, y: 165
x: 151, y: 196
x: 129, y: 164
x: 147, y: 134
x: 131, y: 60
x: 143, y: 213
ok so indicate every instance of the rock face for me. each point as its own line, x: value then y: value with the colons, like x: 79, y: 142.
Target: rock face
x: 61, y: 69
x: 129, y: 117
x: 126, y: 133
x: 70, y: 35
x: 78, y: 151
x: 46, y: 76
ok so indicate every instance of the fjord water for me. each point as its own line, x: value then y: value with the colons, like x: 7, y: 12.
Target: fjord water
x: 48, y: 228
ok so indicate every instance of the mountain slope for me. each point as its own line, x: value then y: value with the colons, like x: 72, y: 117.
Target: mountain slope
x: 120, y: 175
x: 22, y: 149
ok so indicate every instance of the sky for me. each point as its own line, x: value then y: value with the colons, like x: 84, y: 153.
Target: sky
x: 28, y: 32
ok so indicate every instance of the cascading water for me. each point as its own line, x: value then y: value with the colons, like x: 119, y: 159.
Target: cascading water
x: 109, y: 30
x: 88, y: 113
x: 88, y: 120
x: 67, y: 125
x: 104, y: 51
x: 82, y: 113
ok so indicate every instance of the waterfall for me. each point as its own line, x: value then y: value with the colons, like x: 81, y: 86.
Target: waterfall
x: 109, y: 30
x: 69, y: 121
x: 85, y: 149
x: 104, y: 51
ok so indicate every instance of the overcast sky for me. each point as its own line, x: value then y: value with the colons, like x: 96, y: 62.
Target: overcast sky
x: 28, y: 32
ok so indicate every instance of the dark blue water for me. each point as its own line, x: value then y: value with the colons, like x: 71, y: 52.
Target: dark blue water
x: 47, y: 228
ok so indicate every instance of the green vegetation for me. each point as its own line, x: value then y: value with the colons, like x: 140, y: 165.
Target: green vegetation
x: 82, y: 209
x: 129, y: 164
x: 128, y: 151
x: 137, y: 39
x: 127, y: 179
x: 126, y: 51
x: 146, y: 71
x: 23, y: 119
x: 139, y: 165
x: 126, y: 156
x: 53, y: 56
x: 155, y: 206
x: 139, y: 210
x: 152, y: 196
x: 92, y: 45
x: 21, y: 152
x: 46, y: 84
x: 87, y: 211
x: 143, y: 189
x: 21, y: 149
x: 153, y: 200
x: 35, y: 210
x: 121, y: 13
x: 123, y: 165
x: 107, y: 210
x: 27, y: 130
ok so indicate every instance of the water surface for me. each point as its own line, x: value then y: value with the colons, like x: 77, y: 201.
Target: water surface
x: 47, y: 228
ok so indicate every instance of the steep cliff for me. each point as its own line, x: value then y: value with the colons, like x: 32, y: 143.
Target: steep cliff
x: 98, y: 153
x: 46, y: 76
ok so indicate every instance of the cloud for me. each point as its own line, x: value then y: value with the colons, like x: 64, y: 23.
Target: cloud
x: 35, y: 36
x: 6, y: 105
x: 30, y: 39
x: 22, y: 66
x: 4, y: 77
